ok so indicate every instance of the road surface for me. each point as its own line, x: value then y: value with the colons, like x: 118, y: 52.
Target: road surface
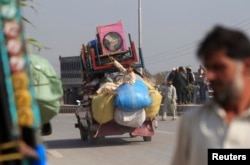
x: 64, y: 146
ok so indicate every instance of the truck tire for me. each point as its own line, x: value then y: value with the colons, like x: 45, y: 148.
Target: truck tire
x: 83, y: 133
x: 132, y: 136
x: 147, y: 138
x: 91, y: 134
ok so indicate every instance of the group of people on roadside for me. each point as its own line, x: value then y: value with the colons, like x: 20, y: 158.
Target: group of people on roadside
x: 183, y: 87
x: 190, y: 87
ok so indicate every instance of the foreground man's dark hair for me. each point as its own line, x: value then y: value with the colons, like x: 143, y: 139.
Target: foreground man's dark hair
x: 234, y: 42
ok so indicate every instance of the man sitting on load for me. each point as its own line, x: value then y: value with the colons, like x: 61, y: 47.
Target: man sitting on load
x: 129, y: 76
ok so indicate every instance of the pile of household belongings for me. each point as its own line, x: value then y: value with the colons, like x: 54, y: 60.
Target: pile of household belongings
x: 127, y: 104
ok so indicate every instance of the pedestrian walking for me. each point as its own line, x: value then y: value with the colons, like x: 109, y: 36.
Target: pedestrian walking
x: 170, y: 101
x: 170, y: 75
x: 201, y: 81
x: 180, y: 83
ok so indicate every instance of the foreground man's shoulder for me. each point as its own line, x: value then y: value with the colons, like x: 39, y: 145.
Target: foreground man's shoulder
x: 198, y: 110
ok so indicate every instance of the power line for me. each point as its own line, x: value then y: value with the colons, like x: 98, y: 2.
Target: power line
x: 183, y: 47
x: 167, y: 55
x: 187, y: 46
x: 242, y: 23
x: 170, y: 57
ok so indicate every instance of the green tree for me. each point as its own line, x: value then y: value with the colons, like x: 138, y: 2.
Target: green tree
x: 31, y: 41
x: 160, y: 77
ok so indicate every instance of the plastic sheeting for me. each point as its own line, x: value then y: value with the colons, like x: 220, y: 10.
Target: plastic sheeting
x: 47, y: 85
x: 129, y: 119
x: 132, y: 97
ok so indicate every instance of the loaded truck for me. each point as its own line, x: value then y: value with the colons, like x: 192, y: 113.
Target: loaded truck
x: 105, y: 113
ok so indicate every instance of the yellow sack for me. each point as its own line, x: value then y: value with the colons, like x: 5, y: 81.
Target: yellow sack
x: 150, y: 87
x: 103, y: 107
x: 154, y: 108
x: 156, y: 97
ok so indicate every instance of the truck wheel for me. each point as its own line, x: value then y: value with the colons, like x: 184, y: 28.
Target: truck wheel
x: 147, y: 138
x: 132, y: 136
x: 91, y: 134
x: 83, y: 133
x: 46, y: 129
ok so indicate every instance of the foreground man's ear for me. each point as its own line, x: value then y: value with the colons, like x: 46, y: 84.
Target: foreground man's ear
x: 247, y: 66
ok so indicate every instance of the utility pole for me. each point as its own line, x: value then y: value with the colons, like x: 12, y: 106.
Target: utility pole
x: 139, y: 33
x: 139, y: 23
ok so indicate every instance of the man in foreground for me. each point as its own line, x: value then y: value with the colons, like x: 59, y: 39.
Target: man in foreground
x: 225, y: 121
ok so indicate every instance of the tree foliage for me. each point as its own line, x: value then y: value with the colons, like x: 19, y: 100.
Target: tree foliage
x: 160, y: 77
x: 31, y: 41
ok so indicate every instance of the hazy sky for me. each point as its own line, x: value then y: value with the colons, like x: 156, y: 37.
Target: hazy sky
x: 171, y: 29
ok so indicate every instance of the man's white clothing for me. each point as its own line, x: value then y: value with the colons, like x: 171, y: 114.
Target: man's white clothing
x: 128, y: 78
x: 207, y: 128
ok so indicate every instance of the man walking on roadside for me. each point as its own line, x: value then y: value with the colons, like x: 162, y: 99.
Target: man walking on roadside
x: 170, y: 101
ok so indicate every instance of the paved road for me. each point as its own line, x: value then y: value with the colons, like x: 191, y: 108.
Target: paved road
x: 64, y: 146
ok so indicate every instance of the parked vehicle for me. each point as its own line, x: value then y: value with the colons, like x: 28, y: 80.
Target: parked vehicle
x: 72, y: 80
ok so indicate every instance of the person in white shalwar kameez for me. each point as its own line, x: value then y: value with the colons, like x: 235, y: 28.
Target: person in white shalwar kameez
x: 169, y: 101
